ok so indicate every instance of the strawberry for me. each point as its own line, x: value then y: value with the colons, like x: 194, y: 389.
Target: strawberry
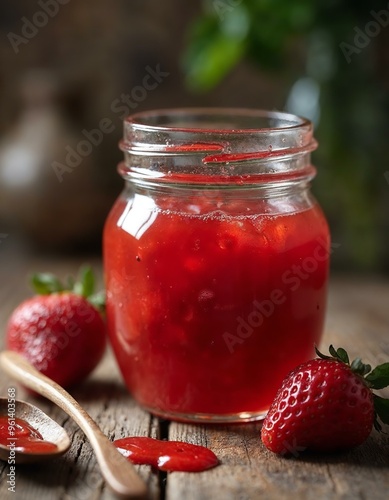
x: 61, y: 331
x: 326, y: 404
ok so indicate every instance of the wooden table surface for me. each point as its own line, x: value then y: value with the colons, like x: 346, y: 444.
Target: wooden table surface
x: 358, y: 319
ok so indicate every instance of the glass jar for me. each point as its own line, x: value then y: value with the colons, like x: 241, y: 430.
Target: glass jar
x: 216, y: 260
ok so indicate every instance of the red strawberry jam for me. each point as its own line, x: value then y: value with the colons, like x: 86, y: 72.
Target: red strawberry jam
x: 212, y: 300
x: 19, y: 434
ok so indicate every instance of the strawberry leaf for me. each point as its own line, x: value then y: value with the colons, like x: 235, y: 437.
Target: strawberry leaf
x: 88, y: 280
x: 381, y: 407
x: 379, y: 377
x: 98, y: 301
x: 85, y: 287
x: 69, y: 283
x: 358, y: 367
x: 338, y: 354
x: 333, y: 352
x: 343, y: 356
x: 321, y: 355
x: 46, y: 283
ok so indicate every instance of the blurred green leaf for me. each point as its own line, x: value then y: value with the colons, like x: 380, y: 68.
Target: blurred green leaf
x: 211, y: 56
x: 46, y: 283
x: 232, y: 29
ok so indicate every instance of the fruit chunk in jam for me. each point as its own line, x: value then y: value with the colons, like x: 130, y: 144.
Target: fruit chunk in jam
x: 209, y: 309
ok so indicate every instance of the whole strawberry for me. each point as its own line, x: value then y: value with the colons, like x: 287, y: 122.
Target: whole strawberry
x: 326, y: 404
x: 60, y: 331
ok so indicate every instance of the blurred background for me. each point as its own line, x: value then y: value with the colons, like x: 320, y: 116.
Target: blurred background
x: 70, y: 70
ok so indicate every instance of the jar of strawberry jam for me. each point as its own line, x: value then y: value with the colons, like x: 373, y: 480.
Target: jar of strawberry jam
x: 216, y: 259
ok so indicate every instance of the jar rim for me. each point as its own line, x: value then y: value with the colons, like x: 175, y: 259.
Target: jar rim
x: 152, y: 120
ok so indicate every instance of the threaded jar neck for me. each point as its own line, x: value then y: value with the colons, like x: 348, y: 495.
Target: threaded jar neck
x: 215, y: 146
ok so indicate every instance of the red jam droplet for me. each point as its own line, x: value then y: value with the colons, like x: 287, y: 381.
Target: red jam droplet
x: 167, y: 455
x: 23, y: 436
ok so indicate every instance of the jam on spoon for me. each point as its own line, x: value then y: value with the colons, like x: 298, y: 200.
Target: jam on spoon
x: 167, y: 455
x: 19, y: 434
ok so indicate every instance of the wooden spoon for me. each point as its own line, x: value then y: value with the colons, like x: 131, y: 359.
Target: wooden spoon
x: 48, y: 428
x: 117, y: 470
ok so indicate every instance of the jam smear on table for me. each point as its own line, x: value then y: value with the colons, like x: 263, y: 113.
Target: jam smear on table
x: 167, y: 455
x: 19, y: 434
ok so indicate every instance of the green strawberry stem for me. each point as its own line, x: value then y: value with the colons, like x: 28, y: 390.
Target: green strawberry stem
x: 374, y: 379
x: 47, y: 284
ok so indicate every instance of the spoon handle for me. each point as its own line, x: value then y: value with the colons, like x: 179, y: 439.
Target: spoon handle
x: 119, y: 473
